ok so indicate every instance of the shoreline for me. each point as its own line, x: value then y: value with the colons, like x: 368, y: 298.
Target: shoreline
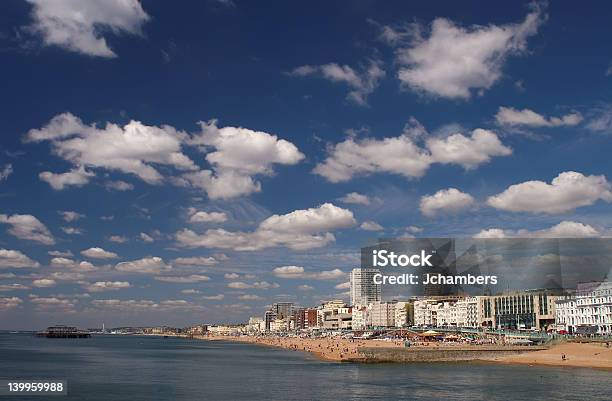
x: 578, y: 355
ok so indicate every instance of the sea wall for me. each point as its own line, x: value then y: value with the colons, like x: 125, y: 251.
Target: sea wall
x: 438, y: 354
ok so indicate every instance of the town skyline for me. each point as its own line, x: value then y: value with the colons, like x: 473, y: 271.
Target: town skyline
x: 163, y: 166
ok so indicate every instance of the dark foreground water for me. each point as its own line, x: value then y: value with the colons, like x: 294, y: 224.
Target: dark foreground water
x: 152, y: 368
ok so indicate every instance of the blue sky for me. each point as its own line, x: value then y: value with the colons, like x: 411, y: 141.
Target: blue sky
x: 200, y: 148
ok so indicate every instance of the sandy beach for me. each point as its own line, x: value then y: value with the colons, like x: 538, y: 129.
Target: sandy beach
x: 589, y: 355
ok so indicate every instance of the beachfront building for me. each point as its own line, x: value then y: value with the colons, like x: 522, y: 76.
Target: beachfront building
x: 382, y: 314
x: 359, y: 317
x: 404, y: 314
x: 255, y: 325
x: 305, y: 318
x: 328, y: 309
x: 530, y: 309
x: 587, y: 312
x: 363, y: 289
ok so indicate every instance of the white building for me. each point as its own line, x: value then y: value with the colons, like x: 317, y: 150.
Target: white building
x: 363, y: 289
x: 360, y: 317
x: 589, y: 311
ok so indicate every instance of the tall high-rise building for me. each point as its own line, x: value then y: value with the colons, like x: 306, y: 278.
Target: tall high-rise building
x: 283, y: 310
x: 363, y: 289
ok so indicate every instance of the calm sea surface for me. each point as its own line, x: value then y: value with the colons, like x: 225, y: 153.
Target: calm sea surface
x: 151, y: 368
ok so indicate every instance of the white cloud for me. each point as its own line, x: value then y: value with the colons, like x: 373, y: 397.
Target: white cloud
x: 468, y: 152
x: 72, y: 230
x: 414, y: 229
x: 295, y: 272
x: 355, y: 198
x: 566, y: 192
x: 131, y: 149
x: 299, y: 230
x: 28, y: 227
x: 218, y: 297
x: 190, y: 291
x: 361, y: 83
x: 260, y: 285
x: 70, y: 216
x: 43, y: 283
x: 529, y: 118
x: 100, y: 286
x: 146, y: 237
x: 449, y: 200
x: 15, y: 259
x: 193, y: 278
x: 565, y: 229
x: 120, y: 239
x: 401, y: 155
x: 371, y: 226
x: 343, y: 286
x: 453, y: 61
x: 118, y: 185
x: 231, y: 276
x: 77, y: 177
x: 7, y: 170
x: 98, y: 253
x: 601, y: 121
x: 139, y: 305
x: 62, y: 254
x: 149, y: 265
x: 195, y: 261
x: 13, y: 287
x: 237, y: 154
x: 199, y: 216
x: 305, y: 287
x: 10, y: 303
x: 79, y: 26
x: 250, y: 297
x: 72, y: 264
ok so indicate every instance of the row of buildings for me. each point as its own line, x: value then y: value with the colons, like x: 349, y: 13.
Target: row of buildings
x: 588, y: 311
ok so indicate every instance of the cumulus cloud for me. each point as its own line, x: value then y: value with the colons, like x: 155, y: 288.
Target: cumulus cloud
x: 565, y: 229
x: 43, y: 283
x: 62, y: 254
x: 149, y: 265
x: 6, y: 171
x: 449, y: 200
x: 568, y: 191
x: 355, y: 198
x: 305, y: 287
x: 299, y: 230
x: 146, y: 237
x: 601, y: 120
x: 401, y: 154
x: 100, y: 286
x: 7, y: 303
x: 371, y: 226
x: 199, y: 216
x: 13, y: 287
x: 72, y: 230
x: 362, y: 83
x: 15, y: 259
x: 80, y: 26
x: 343, y: 286
x: 119, y: 239
x: 72, y: 264
x: 298, y: 272
x: 218, y: 297
x: 98, y: 253
x: 70, y: 216
x: 76, y: 177
x: 131, y: 149
x: 512, y: 117
x: 193, y: 278
x: 250, y: 297
x: 260, y: 285
x: 453, y: 61
x: 145, y: 305
x: 118, y: 185
x: 236, y: 155
x: 28, y: 227
x: 195, y: 261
